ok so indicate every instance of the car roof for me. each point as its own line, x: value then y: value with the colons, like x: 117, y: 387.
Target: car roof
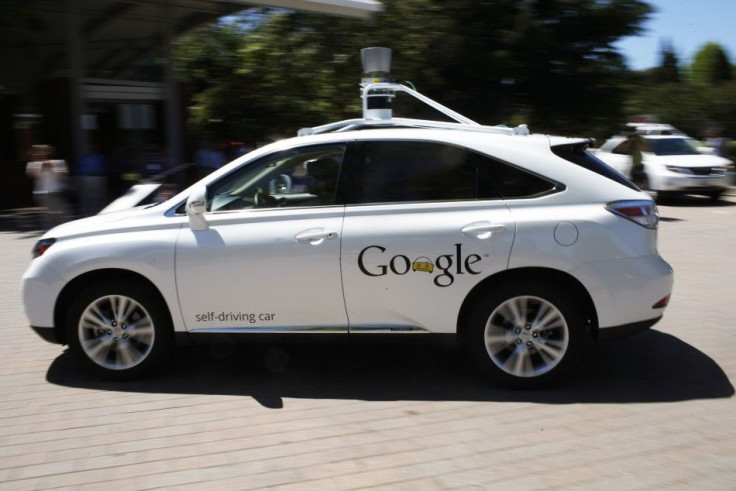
x: 472, y: 139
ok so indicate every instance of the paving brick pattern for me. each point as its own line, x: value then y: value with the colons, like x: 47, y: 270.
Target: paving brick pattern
x: 651, y: 411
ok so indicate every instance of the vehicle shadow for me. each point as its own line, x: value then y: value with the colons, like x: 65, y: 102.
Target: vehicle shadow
x: 693, y: 201
x: 649, y: 367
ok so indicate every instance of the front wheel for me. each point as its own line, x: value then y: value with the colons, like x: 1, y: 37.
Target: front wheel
x: 525, y: 334
x: 715, y: 196
x: 119, y: 330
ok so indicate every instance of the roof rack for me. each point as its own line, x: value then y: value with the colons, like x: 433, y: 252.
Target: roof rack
x: 377, y: 93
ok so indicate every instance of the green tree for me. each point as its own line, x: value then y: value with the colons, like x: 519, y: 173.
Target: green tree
x: 210, y: 55
x: 668, y: 70
x: 550, y: 62
x: 711, y: 65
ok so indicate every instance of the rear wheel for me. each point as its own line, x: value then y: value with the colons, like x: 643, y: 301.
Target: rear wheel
x: 526, y: 334
x: 119, y: 330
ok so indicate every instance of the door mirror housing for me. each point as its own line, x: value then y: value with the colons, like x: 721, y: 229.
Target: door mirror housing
x: 196, y: 207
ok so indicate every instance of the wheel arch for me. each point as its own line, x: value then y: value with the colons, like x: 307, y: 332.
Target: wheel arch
x: 75, y: 286
x: 547, y: 275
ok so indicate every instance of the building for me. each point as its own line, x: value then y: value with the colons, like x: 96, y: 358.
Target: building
x: 94, y: 76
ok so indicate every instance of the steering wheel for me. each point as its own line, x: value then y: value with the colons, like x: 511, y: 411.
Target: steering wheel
x: 283, y: 183
x: 264, y: 200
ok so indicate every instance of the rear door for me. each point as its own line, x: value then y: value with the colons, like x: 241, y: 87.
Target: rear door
x: 423, y: 226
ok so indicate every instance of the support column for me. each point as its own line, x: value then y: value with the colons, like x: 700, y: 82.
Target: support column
x: 172, y: 120
x: 75, y: 61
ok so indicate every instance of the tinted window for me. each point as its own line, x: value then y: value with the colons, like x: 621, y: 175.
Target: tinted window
x: 623, y: 148
x: 402, y: 171
x: 577, y: 154
x: 298, y: 177
x: 513, y: 182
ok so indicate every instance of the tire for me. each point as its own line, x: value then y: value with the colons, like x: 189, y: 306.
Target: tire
x: 119, y: 330
x: 665, y: 196
x: 715, y: 196
x: 525, y: 334
x: 643, y: 184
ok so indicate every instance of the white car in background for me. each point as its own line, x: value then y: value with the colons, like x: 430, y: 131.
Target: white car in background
x: 651, y: 129
x: 671, y: 164
x: 664, y: 129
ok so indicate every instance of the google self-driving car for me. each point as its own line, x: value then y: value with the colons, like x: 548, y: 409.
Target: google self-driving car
x: 521, y: 248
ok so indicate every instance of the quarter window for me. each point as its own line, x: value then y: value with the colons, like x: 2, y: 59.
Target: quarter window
x: 623, y: 148
x: 513, y: 182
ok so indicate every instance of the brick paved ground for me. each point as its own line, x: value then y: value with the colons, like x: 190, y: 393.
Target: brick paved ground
x: 651, y: 411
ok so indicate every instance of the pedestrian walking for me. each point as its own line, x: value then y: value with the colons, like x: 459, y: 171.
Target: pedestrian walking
x: 49, y: 184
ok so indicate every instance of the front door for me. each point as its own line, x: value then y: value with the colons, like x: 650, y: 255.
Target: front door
x: 270, y: 260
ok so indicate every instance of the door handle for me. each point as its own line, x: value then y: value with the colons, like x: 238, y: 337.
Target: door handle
x: 315, y: 236
x: 483, y: 230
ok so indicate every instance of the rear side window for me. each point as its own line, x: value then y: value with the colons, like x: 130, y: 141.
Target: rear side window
x: 513, y: 182
x: 577, y: 154
x: 411, y: 171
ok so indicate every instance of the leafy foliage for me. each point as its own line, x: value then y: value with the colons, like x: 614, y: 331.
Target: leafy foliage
x: 549, y: 63
x: 668, y: 70
x: 706, y: 101
x: 711, y: 65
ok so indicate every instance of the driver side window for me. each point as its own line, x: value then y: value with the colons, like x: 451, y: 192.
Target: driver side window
x: 298, y: 177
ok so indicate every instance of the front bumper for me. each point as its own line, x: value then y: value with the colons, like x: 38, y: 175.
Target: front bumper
x: 692, y: 184
x: 50, y: 334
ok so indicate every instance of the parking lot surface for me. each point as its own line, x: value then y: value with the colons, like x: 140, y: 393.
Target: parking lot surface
x: 650, y: 411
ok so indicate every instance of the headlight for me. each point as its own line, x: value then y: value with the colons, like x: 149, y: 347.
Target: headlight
x: 679, y: 170
x: 719, y: 170
x: 42, y: 246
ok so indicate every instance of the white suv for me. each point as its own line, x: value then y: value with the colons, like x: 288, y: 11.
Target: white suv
x: 522, y: 248
x: 672, y: 165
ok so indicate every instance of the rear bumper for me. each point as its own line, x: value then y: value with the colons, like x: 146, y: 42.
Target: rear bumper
x: 626, y: 290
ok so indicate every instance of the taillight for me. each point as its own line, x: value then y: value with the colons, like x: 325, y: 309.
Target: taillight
x: 663, y: 302
x: 42, y: 246
x: 641, y: 212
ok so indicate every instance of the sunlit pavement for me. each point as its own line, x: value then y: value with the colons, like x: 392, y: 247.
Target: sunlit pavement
x: 650, y: 411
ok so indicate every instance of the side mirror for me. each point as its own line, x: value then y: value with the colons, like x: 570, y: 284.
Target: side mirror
x: 196, y: 206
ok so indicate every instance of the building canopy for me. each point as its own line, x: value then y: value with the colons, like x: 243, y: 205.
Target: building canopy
x: 109, y: 38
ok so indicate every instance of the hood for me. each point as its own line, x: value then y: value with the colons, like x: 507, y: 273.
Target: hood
x: 104, y: 222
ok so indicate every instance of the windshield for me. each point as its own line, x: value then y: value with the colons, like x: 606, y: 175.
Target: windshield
x: 670, y: 146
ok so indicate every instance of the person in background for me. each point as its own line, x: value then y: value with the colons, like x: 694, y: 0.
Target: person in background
x: 92, y: 181
x: 209, y: 158
x: 716, y: 141
x: 154, y: 160
x: 638, y: 176
x: 49, y: 179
